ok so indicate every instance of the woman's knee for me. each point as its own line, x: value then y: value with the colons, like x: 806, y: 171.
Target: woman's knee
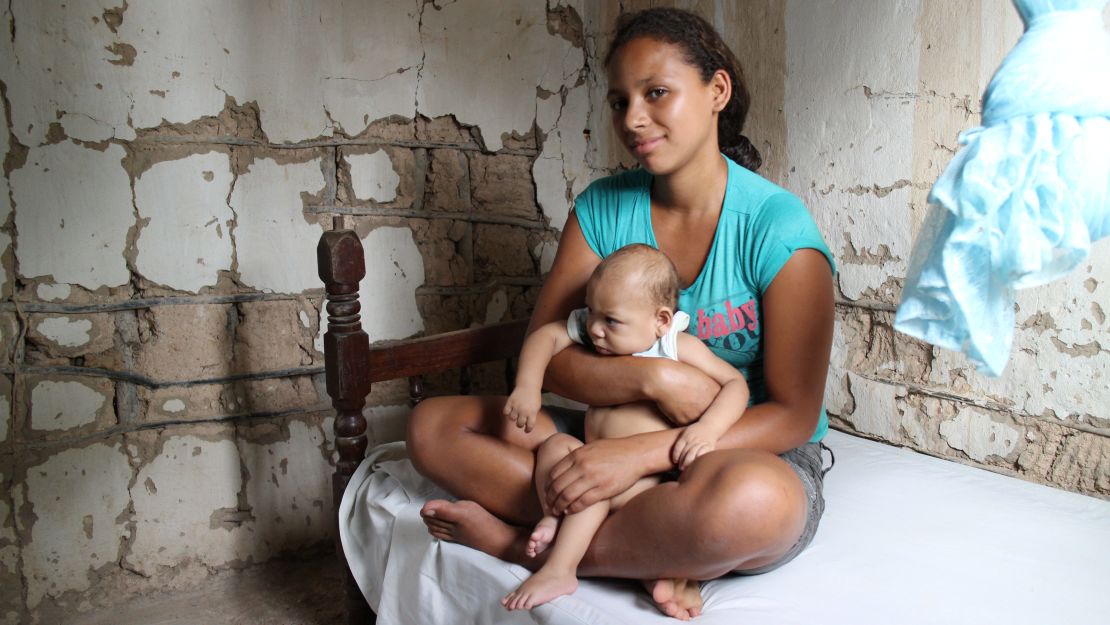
x: 750, y: 503
x: 436, y: 422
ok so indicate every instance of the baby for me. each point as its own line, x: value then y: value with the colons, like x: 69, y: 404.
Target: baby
x: 631, y: 300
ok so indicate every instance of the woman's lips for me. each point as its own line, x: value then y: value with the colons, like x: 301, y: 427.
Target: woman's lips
x: 644, y: 146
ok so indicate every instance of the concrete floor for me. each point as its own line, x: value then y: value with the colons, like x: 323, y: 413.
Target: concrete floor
x: 307, y: 592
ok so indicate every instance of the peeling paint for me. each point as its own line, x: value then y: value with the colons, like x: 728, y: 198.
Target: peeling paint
x: 65, y: 331
x: 58, y: 555
x: 978, y: 435
x: 53, y: 292
x: 875, y: 407
x: 497, y: 307
x: 373, y: 176
x: 180, y: 245
x: 505, y: 48
x: 288, y: 493
x: 62, y: 405
x: 866, y: 142
x: 172, y: 518
x: 79, y: 200
x: 267, y: 202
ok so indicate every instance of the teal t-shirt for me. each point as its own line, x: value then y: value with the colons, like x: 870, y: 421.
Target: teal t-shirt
x: 761, y: 225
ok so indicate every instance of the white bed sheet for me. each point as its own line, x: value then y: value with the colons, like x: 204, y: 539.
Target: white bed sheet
x: 906, y: 538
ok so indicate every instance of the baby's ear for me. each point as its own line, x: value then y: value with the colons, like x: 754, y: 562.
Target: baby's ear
x: 663, y: 318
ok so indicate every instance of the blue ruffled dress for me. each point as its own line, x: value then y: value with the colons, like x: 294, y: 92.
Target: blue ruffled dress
x: 1023, y: 199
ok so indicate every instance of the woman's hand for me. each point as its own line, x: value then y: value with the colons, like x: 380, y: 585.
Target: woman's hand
x: 596, y: 471
x: 682, y: 392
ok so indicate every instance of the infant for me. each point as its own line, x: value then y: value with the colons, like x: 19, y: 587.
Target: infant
x: 631, y: 302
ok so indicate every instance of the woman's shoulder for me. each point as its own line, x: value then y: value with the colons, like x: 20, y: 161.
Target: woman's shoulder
x: 631, y: 181
x: 752, y: 194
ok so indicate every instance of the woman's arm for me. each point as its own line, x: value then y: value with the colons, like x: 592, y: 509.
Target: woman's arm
x: 681, y: 391
x: 797, y: 341
x: 798, y: 316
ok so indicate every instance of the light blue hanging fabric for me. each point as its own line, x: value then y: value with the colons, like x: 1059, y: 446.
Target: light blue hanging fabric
x: 1029, y: 190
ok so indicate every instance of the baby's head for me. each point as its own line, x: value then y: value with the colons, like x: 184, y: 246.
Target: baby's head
x: 632, y: 297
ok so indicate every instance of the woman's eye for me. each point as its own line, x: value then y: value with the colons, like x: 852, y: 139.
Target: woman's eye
x: 657, y: 92
x: 617, y: 105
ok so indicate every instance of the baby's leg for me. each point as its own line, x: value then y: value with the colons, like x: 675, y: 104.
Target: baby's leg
x: 558, y: 576
x: 621, y: 421
x: 549, y: 453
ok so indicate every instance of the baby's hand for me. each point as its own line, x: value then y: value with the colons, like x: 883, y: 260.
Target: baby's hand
x: 694, y: 441
x: 522, y: 406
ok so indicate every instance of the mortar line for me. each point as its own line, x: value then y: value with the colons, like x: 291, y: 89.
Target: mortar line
x: 875, y: 306
x: 135, y: 378
x: 148, y: 302
x: 364, y: 211
x: 328, y: 143
x: 986, y: 404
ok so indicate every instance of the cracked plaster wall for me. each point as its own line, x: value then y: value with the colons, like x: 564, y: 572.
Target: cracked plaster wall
x: 168, y: 170
x: 875, y: 96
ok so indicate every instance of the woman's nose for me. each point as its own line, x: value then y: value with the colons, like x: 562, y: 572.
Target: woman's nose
x: 635, y: 115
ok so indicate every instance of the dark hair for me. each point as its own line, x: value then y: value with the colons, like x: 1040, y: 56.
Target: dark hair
x: 705, y: 50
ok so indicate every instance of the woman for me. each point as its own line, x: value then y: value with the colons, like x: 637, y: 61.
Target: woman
x: 758, y: 282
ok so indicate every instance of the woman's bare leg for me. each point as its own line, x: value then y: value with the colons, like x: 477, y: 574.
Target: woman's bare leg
x: 467, y: 447
x: 731, y: 509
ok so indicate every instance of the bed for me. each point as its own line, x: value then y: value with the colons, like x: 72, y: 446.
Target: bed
x: 906, y: 538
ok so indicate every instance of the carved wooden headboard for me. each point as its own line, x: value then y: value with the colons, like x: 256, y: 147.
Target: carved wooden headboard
x: 352, y: 365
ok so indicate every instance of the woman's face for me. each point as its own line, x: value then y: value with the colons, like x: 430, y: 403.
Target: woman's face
x: 663, y: 112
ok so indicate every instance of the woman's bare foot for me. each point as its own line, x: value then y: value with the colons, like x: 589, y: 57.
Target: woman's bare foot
x: 677, y: 598
x: 542, y: 536
x: 543, y: 586
x: 467, y: 523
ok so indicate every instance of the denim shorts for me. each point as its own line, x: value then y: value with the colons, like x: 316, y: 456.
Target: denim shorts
x: 807, y: 461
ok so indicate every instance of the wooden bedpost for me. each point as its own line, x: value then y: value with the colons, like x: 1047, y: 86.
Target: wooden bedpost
x: 341, y: 266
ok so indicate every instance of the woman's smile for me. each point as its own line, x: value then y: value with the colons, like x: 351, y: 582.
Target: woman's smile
x: 642, y: 147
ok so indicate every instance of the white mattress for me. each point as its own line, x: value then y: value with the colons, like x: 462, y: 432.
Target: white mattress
x: 906, y: 539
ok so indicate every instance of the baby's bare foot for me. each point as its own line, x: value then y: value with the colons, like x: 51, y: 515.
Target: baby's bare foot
x: 542, y: 536
x: 677, y: 598
x: 543, y: 586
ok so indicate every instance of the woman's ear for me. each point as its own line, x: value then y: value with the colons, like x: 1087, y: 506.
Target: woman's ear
x: 720, y: 86
x: 663, y: 318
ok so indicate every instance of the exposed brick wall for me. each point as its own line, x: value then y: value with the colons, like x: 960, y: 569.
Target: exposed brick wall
x: 164, y: 414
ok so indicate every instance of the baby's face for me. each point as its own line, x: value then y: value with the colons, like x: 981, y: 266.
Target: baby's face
x: 621, y: 320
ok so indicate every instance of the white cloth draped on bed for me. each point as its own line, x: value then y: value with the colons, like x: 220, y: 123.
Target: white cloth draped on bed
x: 906, y: 539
